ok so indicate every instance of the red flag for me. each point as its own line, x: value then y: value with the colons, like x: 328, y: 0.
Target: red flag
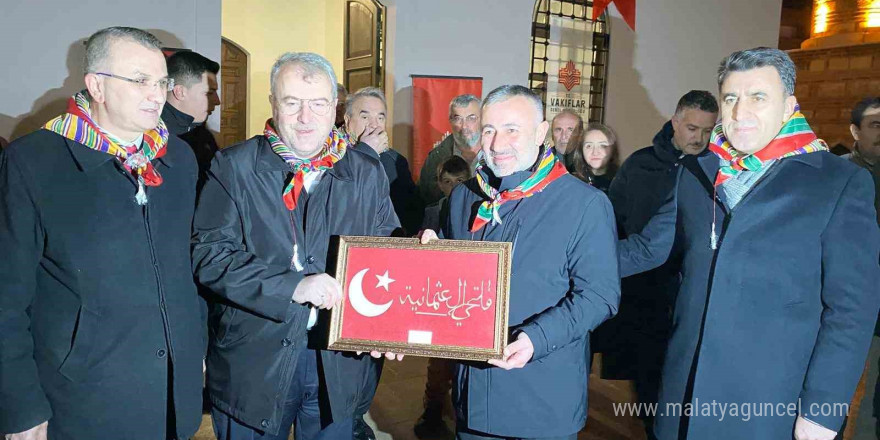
x: 627, y: 9
x: 431, y: 97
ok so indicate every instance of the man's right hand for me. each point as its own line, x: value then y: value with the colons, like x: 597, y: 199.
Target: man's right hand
x: 427, y: 236
x: 322, y: 290
x: 375, y: 138
x: 38, y: 432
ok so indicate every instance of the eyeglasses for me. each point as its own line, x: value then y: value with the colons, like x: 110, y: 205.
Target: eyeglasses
x: 458, y: 119
x: 166, y: 84
x: 318, y: 106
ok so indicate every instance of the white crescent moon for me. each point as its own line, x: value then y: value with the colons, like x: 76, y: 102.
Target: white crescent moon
x: 359, y: 302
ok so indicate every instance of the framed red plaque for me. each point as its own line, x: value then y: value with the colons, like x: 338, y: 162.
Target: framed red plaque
x: 445, y: 299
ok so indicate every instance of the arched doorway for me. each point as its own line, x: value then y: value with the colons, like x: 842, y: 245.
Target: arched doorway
x: 364, y: 49
x: 233, y: 89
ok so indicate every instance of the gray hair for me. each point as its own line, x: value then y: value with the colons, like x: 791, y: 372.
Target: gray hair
x: 462, y: 101
x: 760, y: 57
x: 505, y: 92
x: 365, y: 92
x: 311, y: 63
x: 98, y: 45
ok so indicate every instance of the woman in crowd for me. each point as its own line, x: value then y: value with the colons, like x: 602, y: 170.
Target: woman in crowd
x: 597, y: 159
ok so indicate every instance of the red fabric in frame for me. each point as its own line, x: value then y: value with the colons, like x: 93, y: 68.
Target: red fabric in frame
x: 431, y: 97
x: 451, y: 301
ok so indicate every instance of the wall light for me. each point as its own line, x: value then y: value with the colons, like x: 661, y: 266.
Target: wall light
x: 873, y: 15
x: 821, y: 18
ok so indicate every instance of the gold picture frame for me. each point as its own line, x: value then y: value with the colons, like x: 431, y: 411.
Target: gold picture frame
x: 501, y: 304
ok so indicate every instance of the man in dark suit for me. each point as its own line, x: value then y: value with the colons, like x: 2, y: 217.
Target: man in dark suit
x: 563, y: 281
x: 262, y: 245
x: 780, y: 270
x: 102, y: 330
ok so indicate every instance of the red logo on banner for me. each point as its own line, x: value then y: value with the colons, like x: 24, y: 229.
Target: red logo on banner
x: 569, y: 76
x: 396, y: 295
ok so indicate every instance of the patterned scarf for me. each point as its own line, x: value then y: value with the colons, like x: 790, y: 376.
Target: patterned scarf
x: 549, y: 169
x: 334, y: 148
x: 77, y: 125
x: 795, y: 137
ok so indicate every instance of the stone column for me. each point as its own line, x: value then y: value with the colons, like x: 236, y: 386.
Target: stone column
x: 844, y: 23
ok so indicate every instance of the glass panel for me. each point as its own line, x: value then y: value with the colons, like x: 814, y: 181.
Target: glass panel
x: 567, y: 9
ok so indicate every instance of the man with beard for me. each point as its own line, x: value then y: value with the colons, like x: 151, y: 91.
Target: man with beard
x: 102, y: 335
x: 564, y: 279
x: 565, y: 124
x: 262, y: 245
x: 464, y: 116
x: 189, y: 104
x: 865, y: 128
x: 780, y: 271
x: 633, y: 342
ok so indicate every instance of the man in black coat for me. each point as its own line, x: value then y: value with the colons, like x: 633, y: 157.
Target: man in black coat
x: 190, y: 102
x: 780, y: 272
x: 102, y: 335
x: 564, y: 279
x: 261, y: 244
x: 633, y: 342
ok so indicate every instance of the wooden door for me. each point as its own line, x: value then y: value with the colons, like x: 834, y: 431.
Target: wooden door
x: 233, y: 89
x: 364, y: 50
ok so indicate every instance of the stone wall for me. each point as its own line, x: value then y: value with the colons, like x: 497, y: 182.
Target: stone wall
x: 831, y: 81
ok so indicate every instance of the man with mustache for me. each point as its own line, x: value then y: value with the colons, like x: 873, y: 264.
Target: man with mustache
x: 564, y: 125
x: 780, y: 274
x: 563, y: 283
x: 261, y: 244
x: 634, y: 341
x: 464, y: 117
x: 192, y: 100
x: 865, y: 128
x: 102, y: 330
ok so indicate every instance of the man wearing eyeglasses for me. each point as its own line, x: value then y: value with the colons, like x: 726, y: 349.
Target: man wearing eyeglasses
x: 464, y: 117
x: 102, y: 335
x: 192, y: 99
x: 262, y: 235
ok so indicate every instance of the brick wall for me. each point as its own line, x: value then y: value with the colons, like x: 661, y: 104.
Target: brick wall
x: 831, y: 81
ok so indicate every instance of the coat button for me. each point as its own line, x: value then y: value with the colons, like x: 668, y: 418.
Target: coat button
x: 285, y: 342
x: 310, y: 260
x: 264, y: 423
x: 160, y: 353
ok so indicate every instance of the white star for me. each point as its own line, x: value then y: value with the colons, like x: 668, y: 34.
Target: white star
x: 384, y: 281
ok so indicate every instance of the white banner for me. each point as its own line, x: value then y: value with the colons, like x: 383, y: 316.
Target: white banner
x: 570, y: 55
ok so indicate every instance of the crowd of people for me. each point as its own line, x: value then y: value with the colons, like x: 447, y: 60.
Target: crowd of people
x: 734, y: 261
